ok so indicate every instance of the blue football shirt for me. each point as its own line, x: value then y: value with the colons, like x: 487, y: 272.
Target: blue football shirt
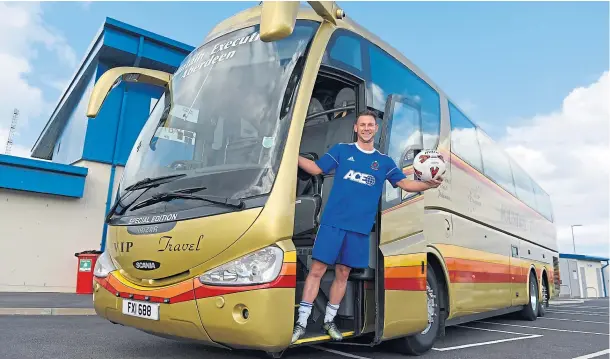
x: 357, y: 186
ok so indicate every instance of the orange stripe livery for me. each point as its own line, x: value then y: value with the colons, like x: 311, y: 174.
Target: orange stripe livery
x: 194, y: 289
x: 402, y: 273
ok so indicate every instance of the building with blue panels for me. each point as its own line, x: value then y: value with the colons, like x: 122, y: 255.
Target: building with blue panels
x: 54, y: 204
x: 69, y: 136
x: 583, y: 276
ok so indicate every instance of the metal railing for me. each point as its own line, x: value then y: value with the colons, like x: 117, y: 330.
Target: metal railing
x: 595, y: 289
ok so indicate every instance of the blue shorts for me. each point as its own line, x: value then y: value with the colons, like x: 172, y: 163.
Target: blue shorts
x: 334, y: 245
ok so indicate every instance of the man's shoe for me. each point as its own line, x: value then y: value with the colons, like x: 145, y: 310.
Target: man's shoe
x: 297, y: 332
x: 333, y: 331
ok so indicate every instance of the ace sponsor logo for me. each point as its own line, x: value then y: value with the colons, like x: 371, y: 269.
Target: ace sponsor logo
x: 359, y: 177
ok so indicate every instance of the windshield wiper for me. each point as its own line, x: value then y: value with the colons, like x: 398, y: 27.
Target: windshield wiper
x: 144, y: 183
x: 149, y: 182
x: 236, y: 203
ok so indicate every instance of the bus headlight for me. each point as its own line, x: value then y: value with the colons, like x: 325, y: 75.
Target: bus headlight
x: 103, y: 266
x: 262, y: 266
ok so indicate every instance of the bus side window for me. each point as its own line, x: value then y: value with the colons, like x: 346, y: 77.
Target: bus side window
x: 496, y: 163
x: 345, y: 52
x: 464, y: 141
x: 543, y: 202
x: 389, y: 76
x: 523, y: 185
x: 420, y: 104
x: 404, y: 139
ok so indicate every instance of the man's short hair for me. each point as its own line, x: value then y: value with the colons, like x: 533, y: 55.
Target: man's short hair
x: 366, y: 113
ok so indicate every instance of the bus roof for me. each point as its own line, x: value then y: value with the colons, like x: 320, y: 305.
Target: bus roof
x: 251, y: 16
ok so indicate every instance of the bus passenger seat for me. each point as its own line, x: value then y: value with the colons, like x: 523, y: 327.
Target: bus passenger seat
x: 314, y: 131
x: 315, y: 106
x: 345, y: 97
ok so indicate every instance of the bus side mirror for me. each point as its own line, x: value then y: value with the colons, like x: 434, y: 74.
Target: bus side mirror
x: 279, y: 17
x: 113, y: 77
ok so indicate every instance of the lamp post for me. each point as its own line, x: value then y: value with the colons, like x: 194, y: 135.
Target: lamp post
x: 573, y: 242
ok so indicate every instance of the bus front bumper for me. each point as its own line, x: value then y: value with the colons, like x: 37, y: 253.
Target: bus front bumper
x: 258, y: 318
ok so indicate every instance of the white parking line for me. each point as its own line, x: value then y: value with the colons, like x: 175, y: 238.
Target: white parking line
x: 338, y: 352
x: 578, y: 307
x: 574, y: 320
x: 594, y: 355
x: 542, y: 328
x: 491, y: 330
x: 486, y: 343
x: 579, y: 313
x: 566, y: 302
x: 521, y: 337
x: 581, y: 307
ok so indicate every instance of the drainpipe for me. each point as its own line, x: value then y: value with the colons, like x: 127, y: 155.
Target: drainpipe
x: 117, y: 144
x: 604, y: 279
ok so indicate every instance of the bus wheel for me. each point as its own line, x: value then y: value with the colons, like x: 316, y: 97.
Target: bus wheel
x: 544, y: 301
x: 422, y: 342
x: 530, y: 312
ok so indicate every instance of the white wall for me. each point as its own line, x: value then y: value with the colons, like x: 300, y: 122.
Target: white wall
x: 594, y: 289
x: 40, y: 233
x: 564, y: 274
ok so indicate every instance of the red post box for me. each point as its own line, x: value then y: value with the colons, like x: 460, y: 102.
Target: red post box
x: 84, y: 274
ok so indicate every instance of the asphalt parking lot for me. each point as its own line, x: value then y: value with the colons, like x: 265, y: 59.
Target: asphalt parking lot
x: 570, y: 330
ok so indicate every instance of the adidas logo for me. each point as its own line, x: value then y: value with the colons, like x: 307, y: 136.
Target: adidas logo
x: 351, y: 159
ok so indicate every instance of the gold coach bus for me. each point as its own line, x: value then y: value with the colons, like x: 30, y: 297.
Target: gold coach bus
x: 211, y: 233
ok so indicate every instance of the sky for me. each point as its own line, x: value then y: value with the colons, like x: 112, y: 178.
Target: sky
x: 534, y: 75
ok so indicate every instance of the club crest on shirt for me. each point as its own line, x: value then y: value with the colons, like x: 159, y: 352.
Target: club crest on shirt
x: 375, y: 165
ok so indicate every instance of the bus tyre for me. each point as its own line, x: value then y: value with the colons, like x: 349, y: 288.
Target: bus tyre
x: 544, y: 301
x: 420, y: 343
x: 530, y: 312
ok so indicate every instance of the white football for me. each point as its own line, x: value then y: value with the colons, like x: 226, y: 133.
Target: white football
x: 429, y: 164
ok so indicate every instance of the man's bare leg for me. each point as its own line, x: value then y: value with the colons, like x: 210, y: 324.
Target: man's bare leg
x: 310, y: 292
x: 337, y: 291
x: 312, y: 282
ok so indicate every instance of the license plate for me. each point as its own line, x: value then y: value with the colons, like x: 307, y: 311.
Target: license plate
x: 141, y: 309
